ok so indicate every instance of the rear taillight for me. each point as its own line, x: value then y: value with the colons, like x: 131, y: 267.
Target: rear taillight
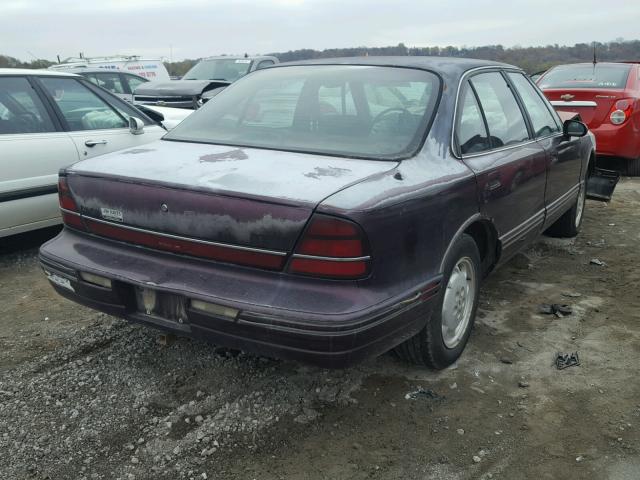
x: 621, y: 111
x: 68, y: 207
x: 64, y: 195
x: 333, y: 248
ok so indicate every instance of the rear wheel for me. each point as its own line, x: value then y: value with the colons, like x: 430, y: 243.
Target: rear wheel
x: 633, y: 167
x: 446, y: 333
x: 568, y: 225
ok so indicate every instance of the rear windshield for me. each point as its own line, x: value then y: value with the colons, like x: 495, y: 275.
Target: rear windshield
x: 346, y: 110
x: 586, y: 76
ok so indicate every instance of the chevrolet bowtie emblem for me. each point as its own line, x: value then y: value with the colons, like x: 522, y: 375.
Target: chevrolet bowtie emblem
x: 567, y: 96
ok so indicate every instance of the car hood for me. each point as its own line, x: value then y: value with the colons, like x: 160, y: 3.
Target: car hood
x: 179, y: 87
x: 245, y: 172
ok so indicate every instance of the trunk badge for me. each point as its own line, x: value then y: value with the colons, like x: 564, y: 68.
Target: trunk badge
x: 164, y: 207
x: 567, y: 97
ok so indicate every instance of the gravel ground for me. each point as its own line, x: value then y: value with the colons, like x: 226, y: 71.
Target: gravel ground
x: 87, y: 396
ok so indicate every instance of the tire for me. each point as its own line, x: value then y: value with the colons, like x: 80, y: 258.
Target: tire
x: 568, y: 225
x: 633, y: 167
x: 429, y: 346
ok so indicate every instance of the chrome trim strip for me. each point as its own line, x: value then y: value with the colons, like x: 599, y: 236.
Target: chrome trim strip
x: 70, y: 212
x: 559, y: 103
x: 552, y: 135
x: 513, y: 235
x: 188, y: 239
x: 500, y: 149
x: 561, y: 201
x: 332, y: 259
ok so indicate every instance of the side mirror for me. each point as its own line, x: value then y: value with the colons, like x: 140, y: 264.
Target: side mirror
x: 574, y: 128
x: 136, y: 126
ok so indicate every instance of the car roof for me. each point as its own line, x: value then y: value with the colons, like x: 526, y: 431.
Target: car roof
x: 452, y: 65
x: 238, y: 57
x: 590, y: 64
x: 27, y: 71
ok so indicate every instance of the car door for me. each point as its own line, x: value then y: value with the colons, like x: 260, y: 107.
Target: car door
x: 563, y: 153
x: 97, y: 122
x: 33, y: 148
x: 493, y: 139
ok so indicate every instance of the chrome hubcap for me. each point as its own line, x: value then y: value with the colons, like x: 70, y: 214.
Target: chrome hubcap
x: 457, y: 305
x: 580, y: 206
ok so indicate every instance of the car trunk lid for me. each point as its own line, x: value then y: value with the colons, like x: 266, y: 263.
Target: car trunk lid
x: 593, y: 105
x: 217, y: 196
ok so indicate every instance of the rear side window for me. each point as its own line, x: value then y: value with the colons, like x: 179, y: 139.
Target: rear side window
x: 110, y: 81
x: 81, y: 108
x: 21, y: 110
x: 134, y: 81
x: 91, y: 77
x: 543, y: 122
x: 471, y: 131
x: 504, y: 117
x: 586, y: 76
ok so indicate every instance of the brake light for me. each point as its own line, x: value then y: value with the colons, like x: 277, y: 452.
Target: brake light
x: 621, y: 111
x: 331, y: 247
x: 69, y: 208
x: 64, y: 195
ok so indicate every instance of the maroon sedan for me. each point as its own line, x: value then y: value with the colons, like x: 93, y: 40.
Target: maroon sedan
x: 325, y: 211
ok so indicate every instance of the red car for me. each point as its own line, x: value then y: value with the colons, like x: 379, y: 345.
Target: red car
x: 607, y: 97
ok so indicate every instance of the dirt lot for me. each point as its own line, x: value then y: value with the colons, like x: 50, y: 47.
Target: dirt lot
x: 84, y: 395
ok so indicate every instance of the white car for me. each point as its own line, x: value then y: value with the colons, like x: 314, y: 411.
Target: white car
x: 49, y: 120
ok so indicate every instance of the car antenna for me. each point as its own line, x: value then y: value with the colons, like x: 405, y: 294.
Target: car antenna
x: 595, y: 60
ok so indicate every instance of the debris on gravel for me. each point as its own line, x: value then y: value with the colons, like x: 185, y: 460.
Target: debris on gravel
x: 115, y: 384
x: 422, y: 393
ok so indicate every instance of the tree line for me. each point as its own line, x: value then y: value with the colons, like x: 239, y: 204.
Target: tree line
x: 530, y: 59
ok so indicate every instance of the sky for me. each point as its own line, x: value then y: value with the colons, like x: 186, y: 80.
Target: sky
x: 196, y: 28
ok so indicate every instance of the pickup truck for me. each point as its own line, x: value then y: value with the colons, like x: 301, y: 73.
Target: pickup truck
x: 202, y: 82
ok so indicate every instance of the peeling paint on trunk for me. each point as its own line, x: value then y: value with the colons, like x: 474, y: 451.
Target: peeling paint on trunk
x: 236, y: 154
x: 268, y: 175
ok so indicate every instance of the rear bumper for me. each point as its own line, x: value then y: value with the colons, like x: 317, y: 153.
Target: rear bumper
x: 618, y: 141
x: 310, y: 334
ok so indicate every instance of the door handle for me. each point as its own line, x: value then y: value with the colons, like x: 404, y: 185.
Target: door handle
x: 494, y: 184
x: 93, y: 143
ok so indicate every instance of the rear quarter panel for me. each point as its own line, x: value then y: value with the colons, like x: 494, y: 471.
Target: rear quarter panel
x: 411, y: 214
